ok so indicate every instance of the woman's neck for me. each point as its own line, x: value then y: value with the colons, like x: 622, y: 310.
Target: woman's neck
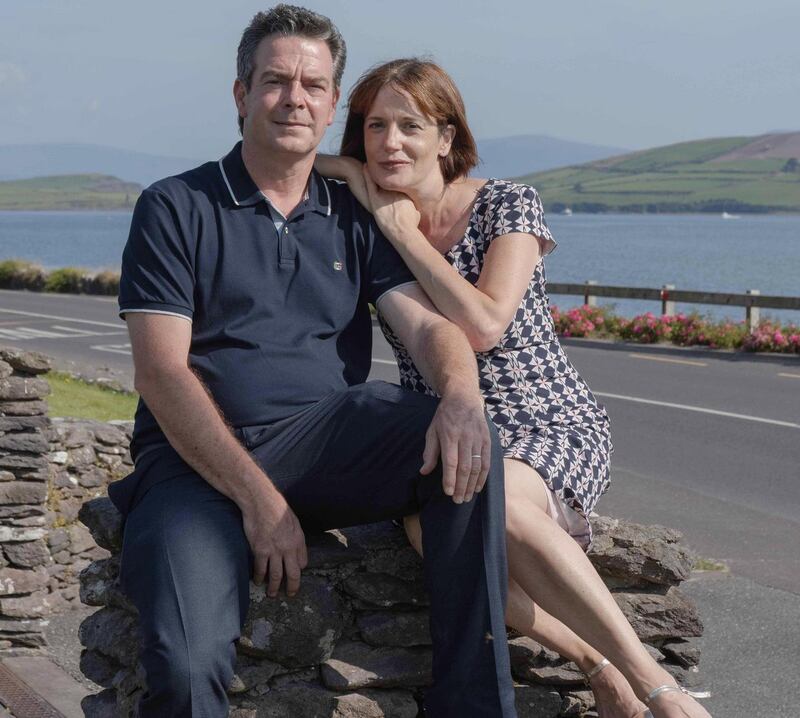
x: 443, y: 210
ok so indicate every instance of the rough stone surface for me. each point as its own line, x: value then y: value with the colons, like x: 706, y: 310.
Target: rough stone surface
x: 296, y: 632
x: 537, y: 702
x: 657, y: 618
x: 21, y: 388
x: 355, y: 665
x: 638, y: 555
x: 383, y: 590
x: 23, y: 492
x: 375, y: 704
x: 104, y: 522
x: 27, y: 362
x: 395, y: 629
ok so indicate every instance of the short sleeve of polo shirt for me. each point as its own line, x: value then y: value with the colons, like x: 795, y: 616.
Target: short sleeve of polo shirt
x: 386, y: 268
x: 157, y: 268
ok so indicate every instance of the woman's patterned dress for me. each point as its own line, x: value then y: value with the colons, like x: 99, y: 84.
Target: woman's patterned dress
x: 543, y: 410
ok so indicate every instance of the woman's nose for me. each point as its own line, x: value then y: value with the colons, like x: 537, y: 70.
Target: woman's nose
x: 391, y: 137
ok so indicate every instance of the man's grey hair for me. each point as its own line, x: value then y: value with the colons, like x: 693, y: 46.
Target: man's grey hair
x: 288, y: 20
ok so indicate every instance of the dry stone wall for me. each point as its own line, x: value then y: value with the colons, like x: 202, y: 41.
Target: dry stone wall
x: 355, y: 641
x: 25, y: 597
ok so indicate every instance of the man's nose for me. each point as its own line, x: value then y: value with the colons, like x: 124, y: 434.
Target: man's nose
x: 294, y: 96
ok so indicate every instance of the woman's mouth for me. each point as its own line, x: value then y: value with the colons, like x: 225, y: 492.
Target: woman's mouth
x: 394, y: 164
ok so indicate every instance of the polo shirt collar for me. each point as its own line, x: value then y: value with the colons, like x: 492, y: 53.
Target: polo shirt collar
x: 244, y: 192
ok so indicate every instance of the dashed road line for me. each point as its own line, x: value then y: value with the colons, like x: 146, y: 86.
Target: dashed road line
x: 666, y: 359
x: 114, y: 348
x: 60, y: 318
x: 792, y: 376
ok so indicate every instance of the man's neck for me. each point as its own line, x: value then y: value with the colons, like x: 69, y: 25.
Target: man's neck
x: 282, y: 178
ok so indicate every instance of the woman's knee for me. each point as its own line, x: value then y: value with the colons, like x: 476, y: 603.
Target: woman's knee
x: 414, y: 531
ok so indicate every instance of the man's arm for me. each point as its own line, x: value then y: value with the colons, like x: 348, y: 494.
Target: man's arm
x: 196, y: 429
x: 458, y: 433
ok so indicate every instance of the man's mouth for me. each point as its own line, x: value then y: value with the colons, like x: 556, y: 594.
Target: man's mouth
x: 289, y: 123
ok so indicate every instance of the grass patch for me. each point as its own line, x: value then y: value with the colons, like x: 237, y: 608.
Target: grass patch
x: 708, y: 564
x: 73, y: 397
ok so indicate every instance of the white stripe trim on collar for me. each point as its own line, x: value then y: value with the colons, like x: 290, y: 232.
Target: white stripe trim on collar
x: 228, y: 184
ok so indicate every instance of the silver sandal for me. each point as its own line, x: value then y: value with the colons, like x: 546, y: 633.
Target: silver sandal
x: 674, y: 689
x: 599, y: 667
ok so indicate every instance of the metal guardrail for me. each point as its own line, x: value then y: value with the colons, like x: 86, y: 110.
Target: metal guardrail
x: 752, y: 301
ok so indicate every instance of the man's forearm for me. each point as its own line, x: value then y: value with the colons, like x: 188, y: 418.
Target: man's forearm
x: 444, y: 357
x: 195, y: 428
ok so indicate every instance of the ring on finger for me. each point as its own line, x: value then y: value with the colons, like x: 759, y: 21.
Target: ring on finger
x: 477, y: 456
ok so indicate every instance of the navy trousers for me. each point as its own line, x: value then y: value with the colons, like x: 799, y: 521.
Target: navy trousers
x: 350, y: 459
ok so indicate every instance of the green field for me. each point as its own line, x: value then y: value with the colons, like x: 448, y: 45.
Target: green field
x: 90, y: 191
x: 677, y: 178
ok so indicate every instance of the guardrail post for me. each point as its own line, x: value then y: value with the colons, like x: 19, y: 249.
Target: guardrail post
x: 667, y: 305
x: 752, y: 315
x: 587, y: 297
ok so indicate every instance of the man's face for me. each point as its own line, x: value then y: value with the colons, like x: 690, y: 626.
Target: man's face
x: 292, y: 99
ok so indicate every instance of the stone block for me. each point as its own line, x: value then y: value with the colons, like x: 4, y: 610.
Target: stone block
x: 5, y: 369
x: 22, y: 441
x: 537, y: 702
x: 98, y: 667
x: 35, y: 605
x: 684, y: 653
x: 110, y: 435
x: 29, y: 554
x: 656, y: 617
x: 356, y: 665
x: 23, y: 492
x: 27, y: 361
x: 23, y: 423
x: 81, y: 457
x: 330, y: 550
x: 395, y: 629
x: 7, y: 476
x: 112, y: 632
x: 23, y: 408
x: 80, y: 539
x: 637, y: 555
x: 385, y: 591
x: 375, y: 704
x: 298, y: 631
x: 23, y: 388
x: 20, y: 462
x: 11, y: 533
x: 104, y: 522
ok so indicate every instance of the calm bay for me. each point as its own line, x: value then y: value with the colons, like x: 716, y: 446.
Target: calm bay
x: 698, y: 252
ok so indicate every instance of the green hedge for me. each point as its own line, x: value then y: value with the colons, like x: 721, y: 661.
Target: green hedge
x: 20, y: 274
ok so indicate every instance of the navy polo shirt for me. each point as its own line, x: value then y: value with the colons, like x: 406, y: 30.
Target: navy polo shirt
x: 279, y: 312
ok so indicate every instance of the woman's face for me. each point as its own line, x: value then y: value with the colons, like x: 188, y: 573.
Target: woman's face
x: 402, y: 144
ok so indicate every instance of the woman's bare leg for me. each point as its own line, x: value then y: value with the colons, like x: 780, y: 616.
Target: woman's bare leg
x: 553, y: 570
x: 615, y: 698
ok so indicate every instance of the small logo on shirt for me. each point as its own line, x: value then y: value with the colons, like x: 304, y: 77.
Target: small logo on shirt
x: 337, y: 265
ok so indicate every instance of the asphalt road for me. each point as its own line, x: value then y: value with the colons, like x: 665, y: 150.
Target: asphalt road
x: 708, y: 443
x: 705, y: 442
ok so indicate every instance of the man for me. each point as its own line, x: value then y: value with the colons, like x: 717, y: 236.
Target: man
x: 245, y: 286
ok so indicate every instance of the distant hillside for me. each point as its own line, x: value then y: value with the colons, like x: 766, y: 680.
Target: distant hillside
x: 45, y: 160
x: 505, y: 157
x: 87, y: 191
x: 728, y: 174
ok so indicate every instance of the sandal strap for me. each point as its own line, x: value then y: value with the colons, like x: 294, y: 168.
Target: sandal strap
x: 675, y: 689
x: 599, y: 667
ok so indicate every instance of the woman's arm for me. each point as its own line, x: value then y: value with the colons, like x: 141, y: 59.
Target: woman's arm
x: 484, y: 311
x: 347, y: 169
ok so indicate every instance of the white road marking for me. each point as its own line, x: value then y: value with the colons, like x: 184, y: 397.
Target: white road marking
x: 702, y: 410
x: 56, y: 331
x: 793, y: 376
x: 665, y: 359
x: 114, y: 348
x: 62, y: 319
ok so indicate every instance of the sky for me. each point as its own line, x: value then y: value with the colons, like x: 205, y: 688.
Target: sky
x: 156, y: 75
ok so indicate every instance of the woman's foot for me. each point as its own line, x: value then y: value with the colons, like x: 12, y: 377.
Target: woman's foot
x: 613, y: 695
x: 675, y: 703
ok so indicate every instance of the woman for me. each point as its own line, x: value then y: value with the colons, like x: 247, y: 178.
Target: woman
x: 406, y: 121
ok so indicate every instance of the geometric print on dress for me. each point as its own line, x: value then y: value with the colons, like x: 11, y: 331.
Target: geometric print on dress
x: 544, y: 412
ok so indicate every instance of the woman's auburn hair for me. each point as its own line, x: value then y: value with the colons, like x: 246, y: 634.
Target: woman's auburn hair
x: 435, y: 94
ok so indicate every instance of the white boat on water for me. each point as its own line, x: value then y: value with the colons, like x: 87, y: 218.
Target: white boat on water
x: 725, y: 215
x: 566, y: 211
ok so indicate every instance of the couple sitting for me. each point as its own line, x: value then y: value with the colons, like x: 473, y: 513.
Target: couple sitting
x: 245, y: 287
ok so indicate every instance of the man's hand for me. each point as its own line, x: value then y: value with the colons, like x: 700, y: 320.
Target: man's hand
x: 459, y: 435
x: 277, y: 541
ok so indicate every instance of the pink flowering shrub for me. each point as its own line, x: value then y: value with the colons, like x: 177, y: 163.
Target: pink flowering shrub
x: 771, y: 337
x: 645, y: 328
x: 681, y: 329
x: 584, y: 321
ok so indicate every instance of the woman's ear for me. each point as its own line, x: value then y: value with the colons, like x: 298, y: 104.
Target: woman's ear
x: 446, y: 137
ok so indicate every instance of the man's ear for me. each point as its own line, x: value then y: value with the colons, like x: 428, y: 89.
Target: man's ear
x: 337, y: 93
x: 446, y: 137
x: 239, y: 95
